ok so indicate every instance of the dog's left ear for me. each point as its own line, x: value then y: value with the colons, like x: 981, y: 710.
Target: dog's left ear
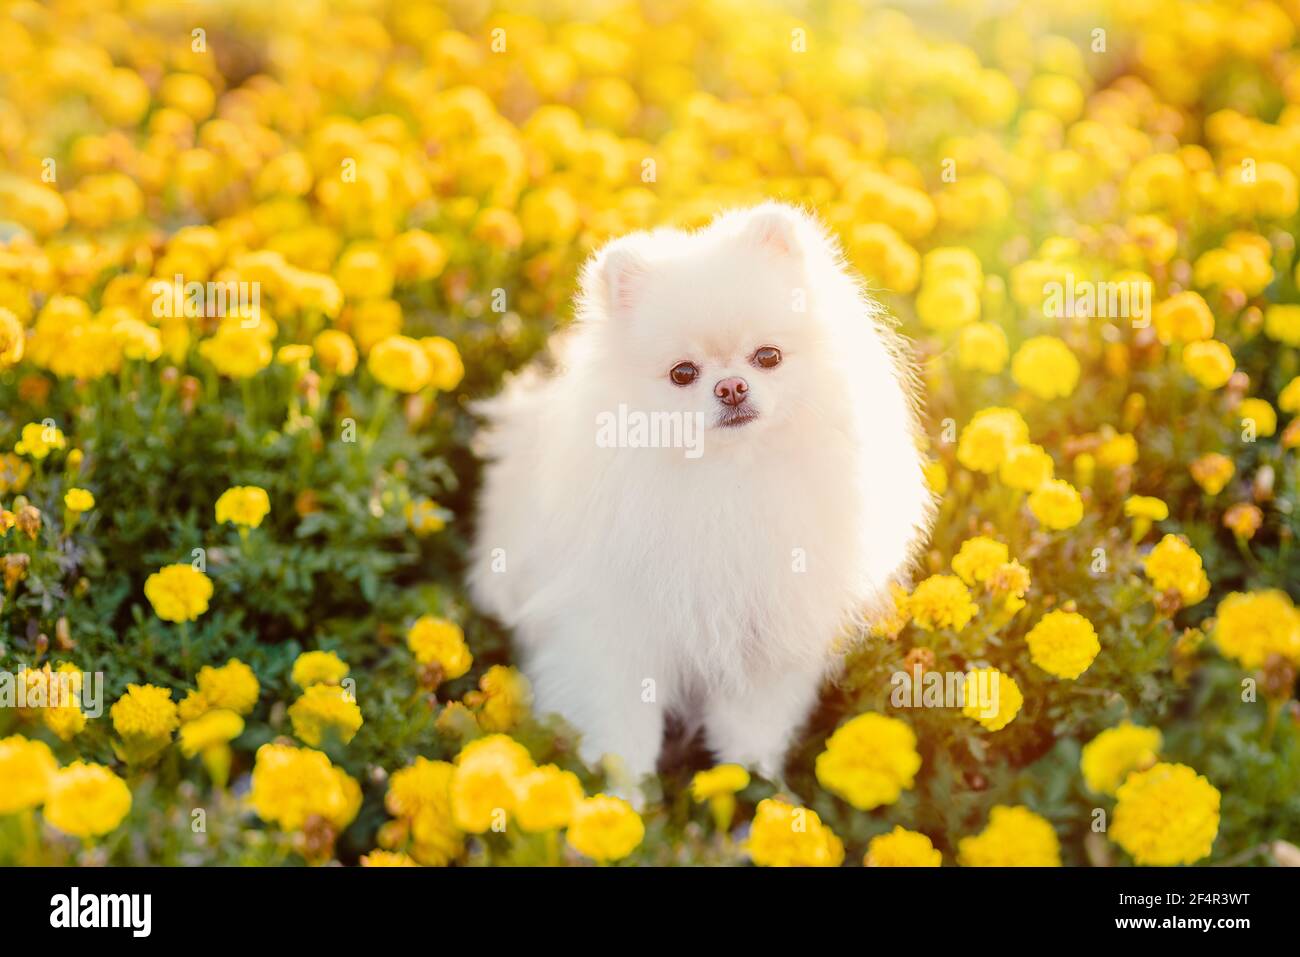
x: 776, y: 229
x: 613, y: 279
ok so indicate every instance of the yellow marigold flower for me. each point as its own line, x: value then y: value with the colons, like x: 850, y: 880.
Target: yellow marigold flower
x: 38, y: 207
x: 400, y: 364
x: 1008, y: 584
x: 1166, y: 815
x: 1291, y: 435
x: 38, y: 440
x: 1209, y: 362
x: 211, y: 729
x: 902, y: 848
x: 941, y: 601
x: 1259, y: 416
x: 288, y: 173
x: 243, y: 505
x: 1212, y: 472
x: 291, y: 785
x: 379, y: 858
x: 884, y: 257
x: 1183, y: 317
x: 335, y: 351
x: 611, y: 101
x: 13, y: 339
x: 952, y: 262
x: 936, y: 476
x: 422, y: 785
x: 1145, y: 507
x: 1056, y: 505
x: 1058, y: 95
x: 1063, y: 643
x: 1046, y: 367
x: 1288, y: 400
x: 783, y: 835
x: 1251, y: 626
x: 1117, y: 450
x: 717, y: 787
x: 145, y: 711
x: 948, y: 304
x: 318, y: 667
x: 444, y: 361
x: 189, y: 93
x: 483, y: 786
x: 506, y: 698
x: 28, y: 521
x: 978, y: 558
x: 417, y: 256
x: 869, y: 761
x: 178, y: 592
x: 66, y: 721
x: 86, y: 800
x: 718, y: 781
x: 1001, y: 704
x: 1240, y: 267
x: 373, y: 321
x: 193, y: 705
x: 232, y: 686
x: 208, y: 736
x: 363, y: 273
x: 1174, y: 564
x: 1014, y: 837
x: 1244, y: 520
x: 1026, y: 467
x: 549, y: 215
x: 55, y: 694
x: 605, y: 828
x: 989, y: 436
x: 78, y: 500
x: 1276, y: 191
x: 1282, y: 323
x: 1109, y: 757
x: 314, y: 292
x: 325, y: 710
x: 45, y: 687
x: 14, y: 474
x: 1155, y: 239
x: 439, y: 641
x: 294, y: 355
x: 27, y: 769
x: 546, y: 798
x: 237, y: 352
x: 137, y: 340
x: 982, y: 347
x: 893, y: 615
x: 499, y: 229
x: 421, y: 795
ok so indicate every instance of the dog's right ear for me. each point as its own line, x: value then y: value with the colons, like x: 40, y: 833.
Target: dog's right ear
x: 614, y: 279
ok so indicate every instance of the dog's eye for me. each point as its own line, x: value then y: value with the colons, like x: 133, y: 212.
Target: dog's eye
x: 768, y: 357
x: 684, y: 373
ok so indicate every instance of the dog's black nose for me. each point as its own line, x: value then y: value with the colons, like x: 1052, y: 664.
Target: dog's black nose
x: 731, y: 391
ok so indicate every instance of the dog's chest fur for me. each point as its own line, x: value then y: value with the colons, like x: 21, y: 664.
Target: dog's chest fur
x: 740, y: 568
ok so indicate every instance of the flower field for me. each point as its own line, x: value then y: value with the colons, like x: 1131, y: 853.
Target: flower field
x: 257, y: 260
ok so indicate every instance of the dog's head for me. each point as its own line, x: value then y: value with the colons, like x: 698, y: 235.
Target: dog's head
x: 723, y: 322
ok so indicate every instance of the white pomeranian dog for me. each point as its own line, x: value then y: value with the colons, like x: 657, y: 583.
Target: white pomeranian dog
x: 718, y: 480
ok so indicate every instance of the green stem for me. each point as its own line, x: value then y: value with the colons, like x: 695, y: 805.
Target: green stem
x: 378, y: 416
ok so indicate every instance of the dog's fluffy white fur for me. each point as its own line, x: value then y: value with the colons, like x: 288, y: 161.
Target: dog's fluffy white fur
x: 641, y: 582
